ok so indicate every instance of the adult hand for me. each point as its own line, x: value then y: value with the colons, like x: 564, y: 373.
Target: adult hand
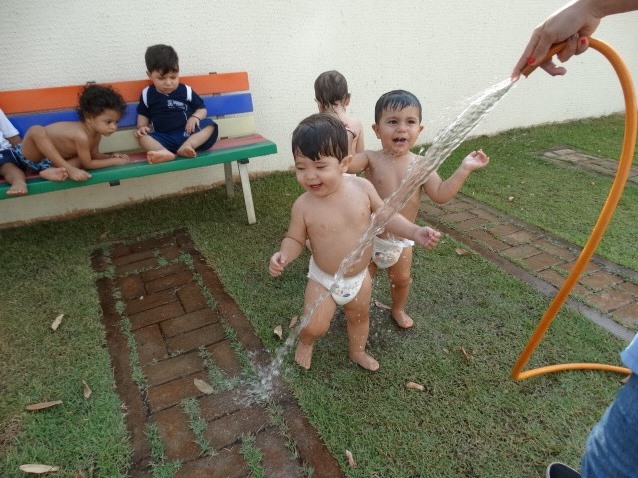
x: 574, y: 22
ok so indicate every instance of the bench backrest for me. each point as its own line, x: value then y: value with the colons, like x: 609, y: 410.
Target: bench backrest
x: 226, y: 96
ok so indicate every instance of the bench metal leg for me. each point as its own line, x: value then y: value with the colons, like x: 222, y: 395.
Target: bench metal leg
x: 245, y: 186
x: 228, y: 172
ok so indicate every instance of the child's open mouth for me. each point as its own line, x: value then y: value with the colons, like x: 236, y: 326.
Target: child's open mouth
x: 400, y: 141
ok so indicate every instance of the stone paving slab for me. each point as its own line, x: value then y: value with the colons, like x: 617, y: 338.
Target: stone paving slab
x: 166, y: 316
x: 538, y: 257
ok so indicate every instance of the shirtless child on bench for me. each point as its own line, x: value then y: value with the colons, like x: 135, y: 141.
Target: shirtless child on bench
x: 72, y: 145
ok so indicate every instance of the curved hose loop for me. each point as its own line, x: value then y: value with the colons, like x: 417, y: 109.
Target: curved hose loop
x: 624, y: 166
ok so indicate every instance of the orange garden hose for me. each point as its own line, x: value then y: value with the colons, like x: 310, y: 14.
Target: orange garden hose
x: 624, y: 166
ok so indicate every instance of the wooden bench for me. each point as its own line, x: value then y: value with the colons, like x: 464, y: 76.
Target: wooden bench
x: 228, y: 101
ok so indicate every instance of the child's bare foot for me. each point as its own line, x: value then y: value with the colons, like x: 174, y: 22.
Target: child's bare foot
x: 160, y: 156
x: 402, y: 319
x: 186, y: 151
x: 77, y: 174
x: 303, y: 355
x: 54, y: 174
x: 364, y: 360
x: 18, y: 188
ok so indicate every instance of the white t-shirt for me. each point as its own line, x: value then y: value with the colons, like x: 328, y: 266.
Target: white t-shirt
x: 7, y: 130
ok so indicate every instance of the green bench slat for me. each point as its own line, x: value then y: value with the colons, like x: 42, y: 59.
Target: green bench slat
x: 142, y: 168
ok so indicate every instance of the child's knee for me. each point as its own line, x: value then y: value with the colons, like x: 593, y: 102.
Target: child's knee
x: 400, y: 280
x: 34, y: 132
x: 315, y: 330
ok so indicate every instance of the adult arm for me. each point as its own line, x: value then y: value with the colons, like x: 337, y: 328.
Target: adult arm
x: 574, y: 22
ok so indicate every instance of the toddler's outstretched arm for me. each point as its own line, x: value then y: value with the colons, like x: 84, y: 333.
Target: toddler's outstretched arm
x: 359, y: 163
x: 426, y: 237
x: 475, y: 160
x: 442, y: 191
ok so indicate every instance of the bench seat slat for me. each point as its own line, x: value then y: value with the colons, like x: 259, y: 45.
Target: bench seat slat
x: 228, y: 150
x: 63, y: 97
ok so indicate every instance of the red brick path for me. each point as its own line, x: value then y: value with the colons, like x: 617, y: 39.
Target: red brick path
x: 160, y: 285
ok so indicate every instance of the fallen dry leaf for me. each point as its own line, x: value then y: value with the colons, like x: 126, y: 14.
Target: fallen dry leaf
x: 293, y: 321
x: 203, y: 386
x: 38, y: 469
x: 279, y: 331
x: 446, y: 350
x: 86, y: 390
x: 56, y: 323
x: 381, y: 305
x: 415, y: 386
x: 104, y: 235
x: 42, y: 405
x: 350, y: 458
x: 467, y: 356
x: 462, y: 252
x: 510, y: 199
x: 625, y: 380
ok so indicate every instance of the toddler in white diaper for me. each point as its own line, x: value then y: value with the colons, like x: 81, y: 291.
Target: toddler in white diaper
x: 397, y: 123
x: 333, y: 214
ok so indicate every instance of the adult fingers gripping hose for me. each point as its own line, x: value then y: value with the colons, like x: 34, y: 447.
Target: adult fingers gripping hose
x: 624, y: 166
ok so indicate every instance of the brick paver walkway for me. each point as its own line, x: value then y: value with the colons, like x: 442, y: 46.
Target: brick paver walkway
x: 606, y: 292
x: 169, y: 322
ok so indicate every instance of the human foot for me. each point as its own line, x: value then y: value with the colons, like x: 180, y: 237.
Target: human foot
x: 18, y: 188
x: 77, y: 174
x: 160, y: 156
x: 365, y: 361
x: 402, y: 319
x: 303, y: 355
x: 186, y: 151
x: 54, y: 174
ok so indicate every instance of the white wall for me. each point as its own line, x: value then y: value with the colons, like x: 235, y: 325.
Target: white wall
x: 443, y: 51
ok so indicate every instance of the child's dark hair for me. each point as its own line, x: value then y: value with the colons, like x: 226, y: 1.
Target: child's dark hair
x: 320, y: 135
x: 395, y: 100
x: 94, y: 99
x: 331, y: 87
x: 162, y: 58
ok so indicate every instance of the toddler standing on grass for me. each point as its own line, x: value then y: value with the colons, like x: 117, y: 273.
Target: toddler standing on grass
x: 175, y: 112
x: 397, y: 123
x: 72, y: 145
x: 334, y: 213
x: 332, y: 97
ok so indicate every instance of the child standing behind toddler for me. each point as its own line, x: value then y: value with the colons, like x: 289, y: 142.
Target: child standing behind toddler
x: 171, y: 117
x: 397, y: 123
x: 332, y: 97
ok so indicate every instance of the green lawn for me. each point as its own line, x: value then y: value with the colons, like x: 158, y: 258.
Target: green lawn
x: 471, y: 419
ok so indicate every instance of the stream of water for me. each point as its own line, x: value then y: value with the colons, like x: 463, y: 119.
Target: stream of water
x: 445, y: 142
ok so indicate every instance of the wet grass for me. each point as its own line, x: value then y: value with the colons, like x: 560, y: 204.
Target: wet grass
x: 470, y: 420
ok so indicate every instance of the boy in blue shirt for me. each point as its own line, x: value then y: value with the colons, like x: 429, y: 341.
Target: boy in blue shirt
x: 175, y: 112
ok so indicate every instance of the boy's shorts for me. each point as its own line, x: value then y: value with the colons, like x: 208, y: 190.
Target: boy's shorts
x: 14, y: 156
x: 173, y: 140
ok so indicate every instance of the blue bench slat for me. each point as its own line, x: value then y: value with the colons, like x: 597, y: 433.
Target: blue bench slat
x: 216, y: 105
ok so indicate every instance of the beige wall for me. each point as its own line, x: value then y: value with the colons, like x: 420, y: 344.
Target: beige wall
x: 443, y: 51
